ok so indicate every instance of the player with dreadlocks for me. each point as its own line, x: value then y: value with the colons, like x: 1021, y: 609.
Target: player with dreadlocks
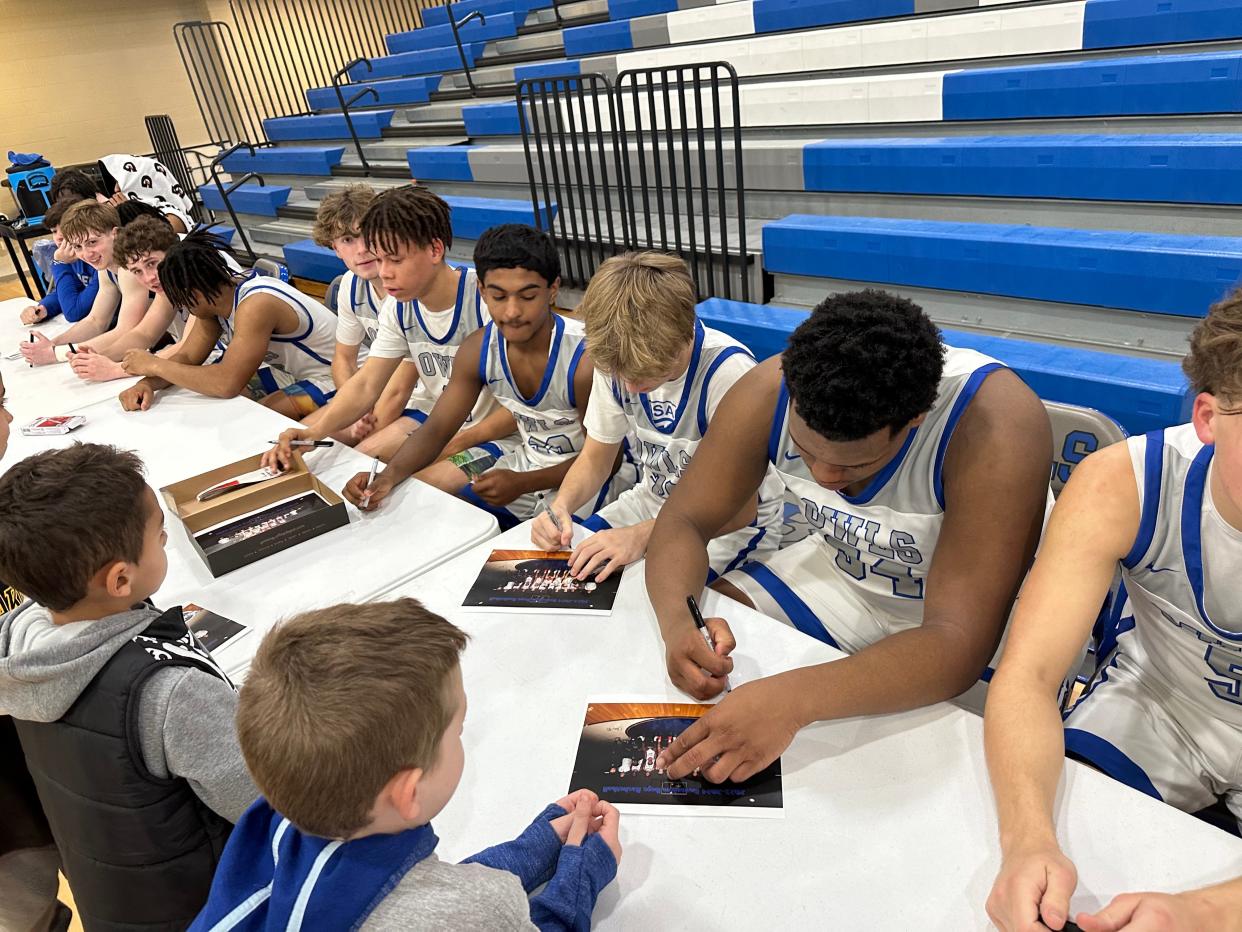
x: 430, y: 310
x: 277, y: 342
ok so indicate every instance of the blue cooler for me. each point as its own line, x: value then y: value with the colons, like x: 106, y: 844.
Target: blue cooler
x: 31, y: 183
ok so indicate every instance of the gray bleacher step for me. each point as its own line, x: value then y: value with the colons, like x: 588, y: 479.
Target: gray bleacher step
x: 589, y: 19
x: 493, y: 74
x: 419, y: 130
x: 434, y: 112
x: 1157, y: 336
x: 545, y: 42
x: 297, y: 212
x: 316, y: 191
x: 480, y: 91
x: 396, y: 150
x: 279, y: 232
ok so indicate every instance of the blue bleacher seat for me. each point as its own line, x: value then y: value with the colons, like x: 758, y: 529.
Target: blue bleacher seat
x: 307, y: 260
x: 498, y: 119
x: 547, y: 69
x: 1112, y: 23
x: 263, y: 200
x: 782, y: 15
x: 497, y: 26
x: 470, y: 216
x: 597, y: 38
x: 427, y: 61
x: 1161, y: 273
x: 628, y: 9
x: 440, y: 163
x: 368, y: 124
x: 1141, y: 394
x: 1153, y: 84
x: 1202, y: 169
x: 438, y: 15
x: 286, y: 160
x: 415, y: 90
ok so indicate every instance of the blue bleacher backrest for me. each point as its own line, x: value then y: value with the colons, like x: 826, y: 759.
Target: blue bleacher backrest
x: 1114, y: 23
x: 1077, y: 432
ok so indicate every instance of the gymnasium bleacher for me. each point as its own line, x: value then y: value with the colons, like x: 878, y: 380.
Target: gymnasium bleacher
x: 1056, y: 182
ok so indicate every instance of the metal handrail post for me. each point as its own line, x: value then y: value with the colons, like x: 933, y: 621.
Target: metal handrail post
x: 461, y: 52
x: 225, y: 192
x: 345, y: 105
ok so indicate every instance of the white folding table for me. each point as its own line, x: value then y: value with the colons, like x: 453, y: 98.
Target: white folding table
x: 889, y: 820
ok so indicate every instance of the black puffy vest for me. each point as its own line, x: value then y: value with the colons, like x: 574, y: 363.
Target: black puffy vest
x: 139, y: 851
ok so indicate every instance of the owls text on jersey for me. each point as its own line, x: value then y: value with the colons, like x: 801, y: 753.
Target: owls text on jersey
x: 405, y: 331
x: 883, y: 539
x: 1182, y: 578
x: 357, y: 310
x: 548, y: 421
x: 304, y: 355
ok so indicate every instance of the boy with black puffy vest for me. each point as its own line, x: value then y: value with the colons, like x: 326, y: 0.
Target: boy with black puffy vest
x: 126, y: 724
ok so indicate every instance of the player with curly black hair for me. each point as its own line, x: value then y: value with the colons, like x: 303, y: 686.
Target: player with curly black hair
x: 923, y: 475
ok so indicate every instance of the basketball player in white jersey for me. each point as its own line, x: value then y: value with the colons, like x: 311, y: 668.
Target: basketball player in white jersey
x: 660, y: 377
x: 121, y: 302
x: 535, y: 364
x: 139, y: 248
x: 276, y: 342
x: 430, y: 310
x: 1163, y: 712
x: 360, y: 295
x: 925, y: 474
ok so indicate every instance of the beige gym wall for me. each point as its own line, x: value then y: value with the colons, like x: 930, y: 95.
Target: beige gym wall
x: 81, y: 74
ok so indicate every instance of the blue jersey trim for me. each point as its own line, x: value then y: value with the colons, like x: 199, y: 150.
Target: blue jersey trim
x: 418, y: 313
x: 572, y: 389
x: 596, y: 523
x: 746, y: 551
x: 794, y: 608
x: 483, y: 352
x: 1105, y: 756
x: 415, y: 415
x: 779, y: 415
x: 505, y: 518
x: 502, y: 348
x: 965, y: 396
x: 707, y: 381
x: 880, y: 479
x: 1192, y: 544
x: 1153, y: 468
x: 267, y: 380
x: 691, y: 371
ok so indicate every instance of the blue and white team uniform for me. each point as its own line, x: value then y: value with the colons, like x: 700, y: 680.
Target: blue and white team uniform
x: 357, y: 314
x: 181, y: 315
x: 549, y: 429
x: 1163, y: 711
x: 430, y: 340
x: 298, y: 362
x: 664, y: 428
x: 861, y: 575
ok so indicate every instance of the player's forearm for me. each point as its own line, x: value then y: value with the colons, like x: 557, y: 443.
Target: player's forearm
x: 155, y: 383
x: 540, y: 480
x: 118, y: 344
x: 1025, y: 745
x: 590, y: 470
x: 342, y: 371
x: 212, y: 381
x: 497, y: 424
x: 907, y: 670
x: 1220, y: 905
x: 105, y: 345
x: 677, y: 566
x: 420, y: 450
x: 86, y: 329
x: 346, y: 406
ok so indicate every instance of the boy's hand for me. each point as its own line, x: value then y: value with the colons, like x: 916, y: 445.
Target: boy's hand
x: 94, y: 367
x: 1152, y: 912
x: 281, y: 456
x: 34, y: 314
x: 138, y: 397
x: 65, y: 252
x: 543, y: 532
x: 561, y: 824
x: 609, y: 827
x: 362, y: 428
x: 356, y: 489
x: 39, y: 352
x: 692, y: 666
x: 1033, y: 889
x: 609, y: 550
x: 498, y: 486
x: 139, y: 362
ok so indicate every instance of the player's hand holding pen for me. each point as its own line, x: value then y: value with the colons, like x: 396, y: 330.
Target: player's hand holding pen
x: 298, y: 439
x: 694, y: 666
x: 367, y: 489
x: 553, y: 528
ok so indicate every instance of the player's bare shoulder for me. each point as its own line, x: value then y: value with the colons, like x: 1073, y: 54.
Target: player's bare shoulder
x: 756, y: 392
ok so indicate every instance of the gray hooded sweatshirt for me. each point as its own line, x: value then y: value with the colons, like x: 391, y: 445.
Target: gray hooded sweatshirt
x: 185, y: 716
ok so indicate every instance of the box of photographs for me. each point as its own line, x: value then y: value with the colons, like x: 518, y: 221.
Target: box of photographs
x: 257, y: 518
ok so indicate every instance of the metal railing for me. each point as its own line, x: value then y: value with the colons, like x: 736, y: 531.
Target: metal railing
x: 190, y: 164
x: 226, y: 190
x: 652, y: 162
x: 261, y: 64
x: 346, y: 104
x: 679, y: 165
x: 455, y: 25
x: 571, y: 162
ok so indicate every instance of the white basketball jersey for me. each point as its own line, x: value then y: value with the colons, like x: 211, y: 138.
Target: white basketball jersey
x: 547, y: 421
x: 434, y: 353
x: 884, y: 537
x: 667, y: 426
x: 304, y: 354
x: 356, y: 296
x: 1183, y: 577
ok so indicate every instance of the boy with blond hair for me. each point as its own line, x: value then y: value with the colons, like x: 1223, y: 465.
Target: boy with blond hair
x: 659, y: 376
x: 351, y: 722
x: 1163, y: 712
x: 338, y: 226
